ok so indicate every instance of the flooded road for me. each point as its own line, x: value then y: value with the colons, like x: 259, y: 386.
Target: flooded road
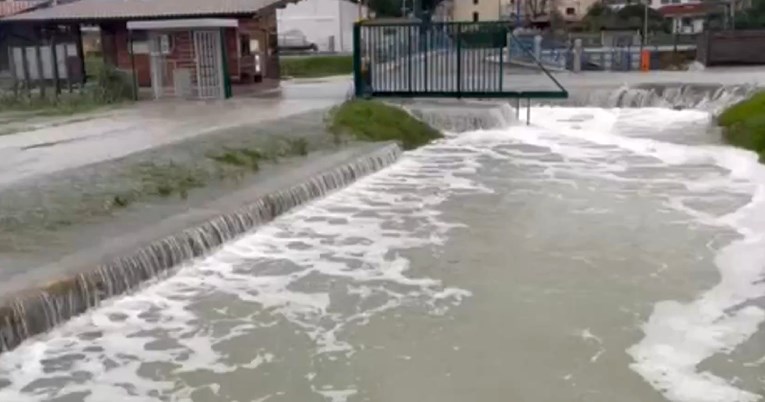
x: 598, y: 255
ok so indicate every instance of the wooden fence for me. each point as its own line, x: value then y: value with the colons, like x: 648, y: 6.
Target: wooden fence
x: 731, y: 48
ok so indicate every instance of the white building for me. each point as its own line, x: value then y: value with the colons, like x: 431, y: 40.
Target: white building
x: 492, y: 10
x: 327, y: 23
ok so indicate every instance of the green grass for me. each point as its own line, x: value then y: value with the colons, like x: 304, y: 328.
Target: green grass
x: 243, y: 157
x: 744, y: 124
x: 316, y: 66
x: 369, y: 120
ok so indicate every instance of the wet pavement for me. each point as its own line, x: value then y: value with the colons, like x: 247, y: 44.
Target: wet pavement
x: 114, y: 134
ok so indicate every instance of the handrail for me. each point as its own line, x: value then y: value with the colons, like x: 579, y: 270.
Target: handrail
x: 547, y: 73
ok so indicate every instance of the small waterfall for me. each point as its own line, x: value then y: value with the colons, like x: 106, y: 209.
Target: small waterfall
x: 38, y: 311
x: 469, y: 116
x: 708, y: 97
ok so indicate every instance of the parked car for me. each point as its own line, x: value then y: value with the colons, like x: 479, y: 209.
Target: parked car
x: 294, y: 41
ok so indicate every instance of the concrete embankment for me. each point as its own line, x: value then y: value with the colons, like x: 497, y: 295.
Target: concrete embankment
x: 118, y: 264
x: 74, y: 237
x: 83, y: 235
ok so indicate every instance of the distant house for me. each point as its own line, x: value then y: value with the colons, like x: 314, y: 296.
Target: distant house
x: 688, y: 18
x: 326, y: 23
x: 517, y: 10
x: 181, y: 48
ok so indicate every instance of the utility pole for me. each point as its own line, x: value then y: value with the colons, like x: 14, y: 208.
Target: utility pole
x: 645, y: 23
x: 733, y: 14
x: 517, y: 13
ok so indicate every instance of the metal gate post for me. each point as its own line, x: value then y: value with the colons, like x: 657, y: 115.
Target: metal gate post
x: 357, y: 80
x: 501, y: 62
x: 459, y: 60
x: 224, y: 65
x: 528, y: 111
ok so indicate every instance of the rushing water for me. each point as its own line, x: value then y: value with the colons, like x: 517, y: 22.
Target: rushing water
x: 596, y: 255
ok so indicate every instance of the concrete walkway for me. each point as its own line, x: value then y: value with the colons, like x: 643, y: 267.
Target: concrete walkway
x: 114, y: 134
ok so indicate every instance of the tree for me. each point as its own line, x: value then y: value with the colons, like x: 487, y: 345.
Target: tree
x: 753, y: 18
x: 535, y: 8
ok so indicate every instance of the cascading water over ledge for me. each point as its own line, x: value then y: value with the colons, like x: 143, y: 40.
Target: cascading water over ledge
x: 707, y: 97
x: 36, y: 311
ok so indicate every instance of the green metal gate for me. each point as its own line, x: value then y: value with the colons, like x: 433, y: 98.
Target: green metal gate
x: 443, y: 59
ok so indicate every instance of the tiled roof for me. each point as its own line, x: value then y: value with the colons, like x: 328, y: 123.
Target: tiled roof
x: 83, y: 10
x: 14, y: 7
x: 684, y: 9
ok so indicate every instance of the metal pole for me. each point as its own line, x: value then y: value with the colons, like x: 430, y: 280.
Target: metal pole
x: 645, y: 23
x: 132, y: 65
x: 733, y: 15
x: 517, y: 13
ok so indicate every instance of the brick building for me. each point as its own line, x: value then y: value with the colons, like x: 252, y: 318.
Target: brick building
x: 184, y: 48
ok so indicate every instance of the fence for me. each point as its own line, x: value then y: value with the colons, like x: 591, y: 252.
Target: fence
x: 732, y: 47
x: 445, y: 59
x: 45, y: 65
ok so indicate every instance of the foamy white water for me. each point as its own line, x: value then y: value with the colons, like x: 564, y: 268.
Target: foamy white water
x: 597, y: 255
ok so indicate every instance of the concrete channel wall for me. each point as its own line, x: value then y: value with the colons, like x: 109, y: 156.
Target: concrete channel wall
x: 44, y: 298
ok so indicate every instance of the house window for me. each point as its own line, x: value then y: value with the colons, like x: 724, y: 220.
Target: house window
x: 664, y: 1
x: 570, y: 11
x: 475, y: 16
x: 475, y: 2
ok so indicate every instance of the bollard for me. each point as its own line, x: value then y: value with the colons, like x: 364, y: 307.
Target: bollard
x: 538, y: 47
x: 645, y: 60
x: 577, y: 67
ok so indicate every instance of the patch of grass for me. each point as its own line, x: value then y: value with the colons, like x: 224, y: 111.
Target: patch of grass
x: 243, y: 157
x: 163, y: 180
x: 744, y: 124
x: 298, y: 146
x: 316, y: 66
x: 369, y: 120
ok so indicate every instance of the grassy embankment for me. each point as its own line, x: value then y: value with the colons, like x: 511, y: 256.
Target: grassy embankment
x: 230, y: 158
x: 744, y: 124
x: 315, y: 66
x: 368, y: 120
x: 360, y: 120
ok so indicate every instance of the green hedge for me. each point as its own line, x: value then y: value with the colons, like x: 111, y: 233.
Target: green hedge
x: 369, y: 120
x: 744, y: 124
x: 484, y: 37
x: 315, y: 66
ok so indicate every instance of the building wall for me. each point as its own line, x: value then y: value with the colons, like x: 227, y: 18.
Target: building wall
x: 492, y: 10
x: 688, y: 25
x: 115, y: 39
x: 482, y: 10
x: 321, y: 20
x: 574, y: 9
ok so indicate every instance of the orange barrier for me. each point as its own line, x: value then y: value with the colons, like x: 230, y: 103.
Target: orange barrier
x: 645, y: 60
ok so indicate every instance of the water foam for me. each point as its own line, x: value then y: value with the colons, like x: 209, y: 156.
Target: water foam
x: 319, y: 271
x: 681, y: 335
